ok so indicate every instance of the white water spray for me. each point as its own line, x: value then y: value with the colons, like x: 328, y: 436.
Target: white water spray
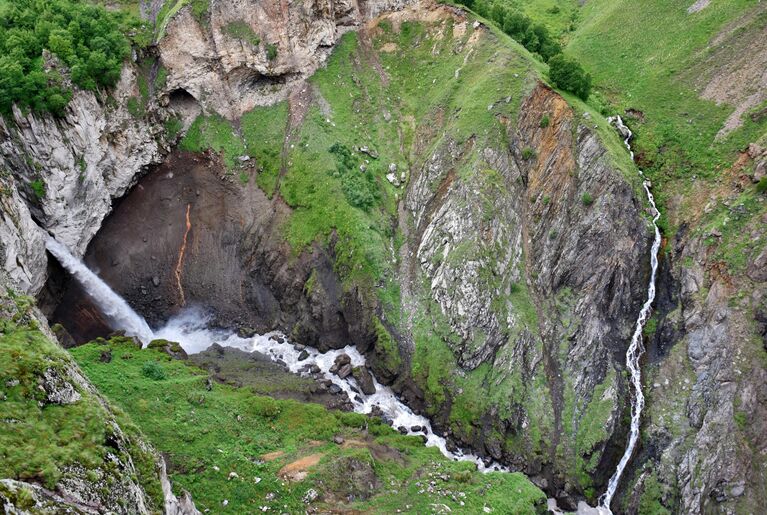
x: 118, y: 312
x: 636, y: 349
x: 191, y: 329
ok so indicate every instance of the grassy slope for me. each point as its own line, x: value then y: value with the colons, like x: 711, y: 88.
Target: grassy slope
x: 40, y: 440
x: 230, y: 428
x: 650, y: 67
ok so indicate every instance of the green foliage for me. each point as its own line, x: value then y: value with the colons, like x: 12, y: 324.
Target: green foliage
x: 528, y: 153
x: 173, y: 127
x: 360, y: 188
x: 535, y: 37
x: 200, y: 10
x: 741, y: 419
x: 587, y: 199
x: 650, y: 327
x: 153, y: 370
x: 544, y: 121
x: 271, y: 51
x: 761, y: 186
x: 208, y: 434
x: 135, y: 107
x: 88, y: 40
x: 38, y: 188
x: 214, y: 133
x: 40, y: 439
x: 652, y: 494
x: 568, y: 75
x: 242, y: 31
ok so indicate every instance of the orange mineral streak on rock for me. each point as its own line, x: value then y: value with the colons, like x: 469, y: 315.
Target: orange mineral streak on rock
x: 181, y: 252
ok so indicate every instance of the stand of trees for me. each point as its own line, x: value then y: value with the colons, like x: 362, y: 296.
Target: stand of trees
x: 89, y: 41
x: 566, y: 74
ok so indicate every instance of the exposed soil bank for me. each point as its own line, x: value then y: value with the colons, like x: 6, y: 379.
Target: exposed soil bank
x: 190, y: 234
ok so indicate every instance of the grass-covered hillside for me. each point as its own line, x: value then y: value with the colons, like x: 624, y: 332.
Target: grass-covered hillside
x: 237, y: 452
x: 57, y: 432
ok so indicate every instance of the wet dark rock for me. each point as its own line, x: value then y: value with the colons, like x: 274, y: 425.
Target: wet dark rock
x: 335, y: 389
x: 106, y: 356
x: 63, y: 336
x: 342, y: 359
x: 344, y: 371
x: 402, y: 430
x: 304, y: 355
x: 416, y: 429
x: 365, y: 380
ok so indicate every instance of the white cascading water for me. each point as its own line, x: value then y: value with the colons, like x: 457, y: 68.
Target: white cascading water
x: 636, y: 349
x: 191, y: 329
x: 119, y: 313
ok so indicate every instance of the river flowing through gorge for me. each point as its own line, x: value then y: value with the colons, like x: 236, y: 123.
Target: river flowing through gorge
x: 192, y: 328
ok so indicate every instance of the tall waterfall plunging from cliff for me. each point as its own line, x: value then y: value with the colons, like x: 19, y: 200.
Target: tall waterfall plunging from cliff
x: 119, y: 313
x: 636, y: 349
x: 191, y: 328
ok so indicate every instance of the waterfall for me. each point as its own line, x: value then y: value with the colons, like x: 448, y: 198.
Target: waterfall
x: 117, y: 311
x: 636, y: 349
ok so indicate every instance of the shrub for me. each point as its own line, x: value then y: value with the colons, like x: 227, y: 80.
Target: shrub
x: 88, y: 40
x: 761, y: 186
x: 545, y: 121
x: 265, y: 407
x: 242, y: 31
x: 38, y: 188
x: 200, y: 10
x: 568, y: 75
x: 153, y: 370
x: 587, y: 199
x: 359, y: 188
x: 271, y: 51
x: 173, y: 127
x: 528, y: 153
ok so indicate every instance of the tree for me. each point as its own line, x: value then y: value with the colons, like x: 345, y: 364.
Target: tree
x: 568, y: 75
x: 88, y: 40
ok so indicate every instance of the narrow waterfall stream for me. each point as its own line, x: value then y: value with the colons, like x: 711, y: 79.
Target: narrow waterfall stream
x: 119, y: 313
x: 636, y: 348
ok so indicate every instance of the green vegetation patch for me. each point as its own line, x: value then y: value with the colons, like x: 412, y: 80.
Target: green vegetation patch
x: 241, y: 30
x: 40, y: 440
x: 216, y: 441
x: 89, y: 41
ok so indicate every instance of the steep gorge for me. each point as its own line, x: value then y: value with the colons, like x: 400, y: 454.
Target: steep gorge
x: 494, y: 284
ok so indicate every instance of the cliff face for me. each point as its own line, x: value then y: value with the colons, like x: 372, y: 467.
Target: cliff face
x: 69, y: 169
x: 250, y: 52
x: 86, y: 459
x: 705, y: 377
x: 537, y: 266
